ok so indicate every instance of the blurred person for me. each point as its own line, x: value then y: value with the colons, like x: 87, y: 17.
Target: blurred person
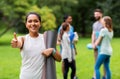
x: 68, y: 19
x: 97, y: 26
x: 104, y: 40
x: 66, y: 53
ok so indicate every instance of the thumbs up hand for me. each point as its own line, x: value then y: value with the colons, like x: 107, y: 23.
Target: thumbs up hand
x: 14, y: 42
x: 15, y: 36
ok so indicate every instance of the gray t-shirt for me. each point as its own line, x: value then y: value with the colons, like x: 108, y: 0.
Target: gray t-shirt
x: 106, y: 41
x: 97, y: 26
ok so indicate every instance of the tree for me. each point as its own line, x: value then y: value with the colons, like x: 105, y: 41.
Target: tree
x: 59, y: 7
x: 48, y: 19
x: 14, y: 11
x: 52, y: 11
x: 111, y: 8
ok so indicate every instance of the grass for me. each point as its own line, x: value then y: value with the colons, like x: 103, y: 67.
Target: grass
x: 10, y: 60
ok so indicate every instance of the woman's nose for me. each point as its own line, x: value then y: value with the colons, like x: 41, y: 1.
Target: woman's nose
x: 33, y: 23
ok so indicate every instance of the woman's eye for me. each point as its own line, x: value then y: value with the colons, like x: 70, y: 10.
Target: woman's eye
x: 35, y: 20
x: 29, y: 21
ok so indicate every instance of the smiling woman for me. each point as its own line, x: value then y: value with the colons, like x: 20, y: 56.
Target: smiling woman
x: 33, y: 51
x: 33, y: 23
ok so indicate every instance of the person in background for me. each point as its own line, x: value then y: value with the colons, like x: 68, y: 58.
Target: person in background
x: 32, y: 49
x: 97, y: 26
x: 68, y: 19
x: 104, y: 40
x: 66, y: 53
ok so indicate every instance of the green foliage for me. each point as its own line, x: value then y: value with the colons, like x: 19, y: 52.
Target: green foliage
x: 59, y: 7
x: 48, y: 19
x: 52, y: 12
x: 111, y: 8
x: 14, y: 11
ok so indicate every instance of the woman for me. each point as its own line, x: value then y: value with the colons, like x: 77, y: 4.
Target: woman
x: 67, y: 55
x: 32, y: 48
x: 68, y: 19
x: 104, y: 40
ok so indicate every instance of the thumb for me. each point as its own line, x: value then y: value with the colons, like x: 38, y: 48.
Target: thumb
x: 15, y: 36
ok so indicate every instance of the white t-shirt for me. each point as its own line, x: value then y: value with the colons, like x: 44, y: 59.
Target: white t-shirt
x: 66, y: 49
x: 106, y: 41
x: 33, y: 62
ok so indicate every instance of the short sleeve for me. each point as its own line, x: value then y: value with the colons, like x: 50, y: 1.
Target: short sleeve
x: 71, y: 30
x: 93, y: 29
x: 102, y: 32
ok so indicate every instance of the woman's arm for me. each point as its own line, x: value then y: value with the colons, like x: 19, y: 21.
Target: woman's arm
x: 98, y: 41
x: 57, y: 55
x: 53, y: 52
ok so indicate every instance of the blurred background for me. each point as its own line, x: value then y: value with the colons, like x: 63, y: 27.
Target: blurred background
x: 12, y: 19
x: 12, y: 13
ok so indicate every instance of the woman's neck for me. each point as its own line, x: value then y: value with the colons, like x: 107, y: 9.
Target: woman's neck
x: 34, y: 35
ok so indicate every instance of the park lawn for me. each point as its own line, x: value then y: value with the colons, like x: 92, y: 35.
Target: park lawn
x: 10, y: 60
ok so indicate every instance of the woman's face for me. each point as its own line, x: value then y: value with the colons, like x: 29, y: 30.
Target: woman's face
x: 33, y: 23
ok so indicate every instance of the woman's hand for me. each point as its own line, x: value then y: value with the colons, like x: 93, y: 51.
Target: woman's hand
x: 47, y: 52
x: 53, y: 52
x: 16, y: 43
x: 93, y: 45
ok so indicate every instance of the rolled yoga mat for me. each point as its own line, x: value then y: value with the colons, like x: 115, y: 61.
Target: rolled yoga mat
x: 50, y: 40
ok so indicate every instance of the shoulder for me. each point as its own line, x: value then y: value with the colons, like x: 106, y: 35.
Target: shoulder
x: 60, y: 27
x: 22, y: 37
x: 104, y: 30
x: 21, y: 40
x: 65, y: 35
x: 42, y: 36
x: 71, y: 27
x: 96, y: 22
x: 94, y: 25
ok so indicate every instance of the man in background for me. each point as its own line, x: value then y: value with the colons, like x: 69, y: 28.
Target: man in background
x: 97, y: 26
